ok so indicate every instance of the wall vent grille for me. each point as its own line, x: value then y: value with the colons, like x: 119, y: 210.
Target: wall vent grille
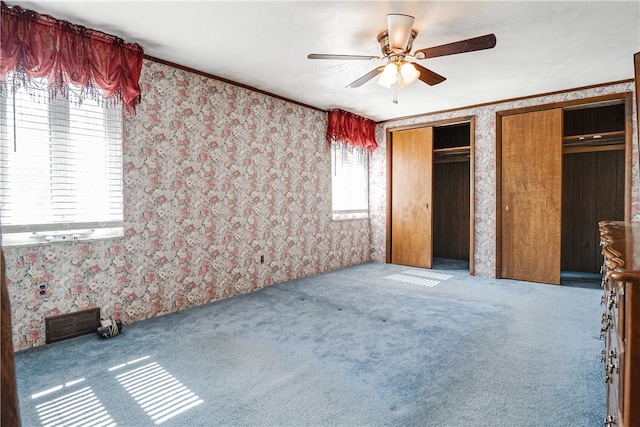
x: 72, y: 324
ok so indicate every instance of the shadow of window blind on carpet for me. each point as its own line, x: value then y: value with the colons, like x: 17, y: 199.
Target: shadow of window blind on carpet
x: 417, y: 277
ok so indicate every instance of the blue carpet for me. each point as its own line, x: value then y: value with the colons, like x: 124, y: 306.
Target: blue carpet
x: 370, y: 345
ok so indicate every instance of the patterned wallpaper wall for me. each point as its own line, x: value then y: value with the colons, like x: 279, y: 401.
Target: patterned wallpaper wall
x: 214, y: 177
x: 484, y: 174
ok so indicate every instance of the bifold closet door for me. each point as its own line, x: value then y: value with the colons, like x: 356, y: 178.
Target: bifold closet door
x: 532, y: 196
x: 411, y: 194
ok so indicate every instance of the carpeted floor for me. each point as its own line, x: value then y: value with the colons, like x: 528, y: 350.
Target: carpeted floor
x: 370, y: 345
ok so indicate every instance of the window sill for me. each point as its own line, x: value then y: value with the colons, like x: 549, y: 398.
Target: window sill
x: 32, y: 239
x: 347, y: 216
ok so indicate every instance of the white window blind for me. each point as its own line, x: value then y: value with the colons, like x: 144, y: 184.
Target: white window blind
x: 350, y: 182
x: 60, y: 168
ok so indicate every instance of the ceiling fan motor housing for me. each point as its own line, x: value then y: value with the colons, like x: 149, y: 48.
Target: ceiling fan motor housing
x: 388, y: 52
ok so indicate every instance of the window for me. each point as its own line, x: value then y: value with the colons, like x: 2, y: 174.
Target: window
x: 60, y: 168
x: 350, y: 182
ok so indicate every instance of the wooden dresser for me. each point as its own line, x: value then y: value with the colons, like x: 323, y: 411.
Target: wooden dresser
x: 620, y: 242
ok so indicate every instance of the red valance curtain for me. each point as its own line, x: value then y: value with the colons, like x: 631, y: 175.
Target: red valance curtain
x: 67, y: 55
x: 351, y: 129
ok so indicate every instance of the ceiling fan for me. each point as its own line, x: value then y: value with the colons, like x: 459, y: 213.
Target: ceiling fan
x: 396, y: 43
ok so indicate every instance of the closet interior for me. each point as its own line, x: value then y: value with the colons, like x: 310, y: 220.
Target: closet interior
x: 593, y: 180
x: 452, y: 192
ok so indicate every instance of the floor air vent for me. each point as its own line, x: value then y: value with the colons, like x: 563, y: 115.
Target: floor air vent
x: 72, y: 325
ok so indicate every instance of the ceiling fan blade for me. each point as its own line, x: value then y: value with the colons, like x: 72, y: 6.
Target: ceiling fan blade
x: 477, y: 43
x: 331, y: 56
x: 371, y: 74
x: 399, y: 30
x: 429, y: 77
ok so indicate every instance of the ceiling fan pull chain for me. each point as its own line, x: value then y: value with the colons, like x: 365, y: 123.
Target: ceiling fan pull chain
x: 395, y: 93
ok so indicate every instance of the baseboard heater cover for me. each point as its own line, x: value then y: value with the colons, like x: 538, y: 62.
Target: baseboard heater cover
x: 72, y: 325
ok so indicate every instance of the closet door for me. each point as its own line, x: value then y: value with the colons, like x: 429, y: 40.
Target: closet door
x: 531, y: 196
x: 411, y: 193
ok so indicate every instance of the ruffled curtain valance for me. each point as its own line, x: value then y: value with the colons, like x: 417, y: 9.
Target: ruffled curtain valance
x: 65, y: 55
x: 351, y: 129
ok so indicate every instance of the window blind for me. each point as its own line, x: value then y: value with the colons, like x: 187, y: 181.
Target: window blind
x: 60, y: 167
x: 350, y: 182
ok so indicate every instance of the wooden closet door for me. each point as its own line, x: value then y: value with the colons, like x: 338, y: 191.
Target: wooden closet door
x: 411, y: 194
x: 531, y: 196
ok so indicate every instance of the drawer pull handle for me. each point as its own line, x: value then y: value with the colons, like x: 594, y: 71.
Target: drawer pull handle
x: 613, y: 300
x: 606, y: 323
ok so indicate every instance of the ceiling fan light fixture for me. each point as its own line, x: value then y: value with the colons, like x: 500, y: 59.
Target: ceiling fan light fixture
x: 389, y: 75
x: 409, y: 73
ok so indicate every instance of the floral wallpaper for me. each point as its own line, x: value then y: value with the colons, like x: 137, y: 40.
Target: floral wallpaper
x: 215, y: 177
x: 484, y: 174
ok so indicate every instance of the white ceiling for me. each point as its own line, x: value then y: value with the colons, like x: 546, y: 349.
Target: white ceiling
x: 541, y: 46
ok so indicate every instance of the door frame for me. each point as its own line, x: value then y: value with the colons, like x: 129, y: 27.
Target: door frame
x: 625, y: 97
x: 636, y: 67
x: 389, y: 172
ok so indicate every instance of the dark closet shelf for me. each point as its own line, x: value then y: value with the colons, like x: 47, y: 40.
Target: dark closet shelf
x: 452, y: 154
x: 594, y: 142
x: 452, y: 150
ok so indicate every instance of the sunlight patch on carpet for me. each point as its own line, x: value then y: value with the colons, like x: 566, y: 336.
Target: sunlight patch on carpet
x: 419, y: 277
x: 429, y: 274
x: 122, y: 365
x: 158, y: 392
x: 81, y: 407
